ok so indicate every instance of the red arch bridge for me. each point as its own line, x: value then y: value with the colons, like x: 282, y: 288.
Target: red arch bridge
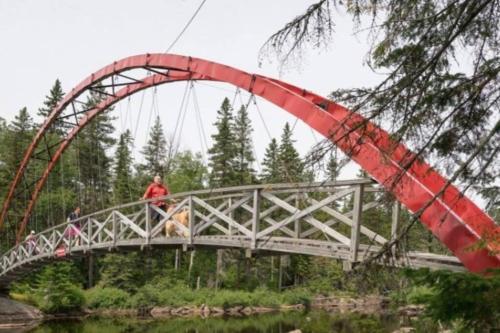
x: 451, y: 216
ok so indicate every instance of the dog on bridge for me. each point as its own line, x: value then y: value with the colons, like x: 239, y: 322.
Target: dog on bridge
x: 181, y: 217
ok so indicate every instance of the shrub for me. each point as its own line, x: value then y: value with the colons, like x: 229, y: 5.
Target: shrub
x: 66, y: 299
x: 465, y: 298
x: 296, y: 296
x: 57, y: 291
x: 265, y: 297
x: 229, y: 298
x: 108, y: 298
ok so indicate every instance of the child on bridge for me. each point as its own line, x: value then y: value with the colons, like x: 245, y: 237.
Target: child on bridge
x: 74, y: 227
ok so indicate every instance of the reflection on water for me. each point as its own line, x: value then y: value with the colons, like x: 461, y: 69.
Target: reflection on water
x: 312, y: 322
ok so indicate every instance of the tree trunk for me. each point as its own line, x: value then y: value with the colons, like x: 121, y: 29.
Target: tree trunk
x: 91, y: 271
x: 177, y: 263
x: 191, y: 260
x: 218, y: 268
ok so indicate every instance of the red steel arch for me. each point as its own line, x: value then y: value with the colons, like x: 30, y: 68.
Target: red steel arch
x: 452, y: 217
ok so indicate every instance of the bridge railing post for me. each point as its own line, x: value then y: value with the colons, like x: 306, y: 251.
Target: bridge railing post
x: 297, y: 228
x: 191, y: 219
x: 89, y: 232
x: 148, y: 224
x: 231, y: 216
x: 356, y: 222
x: 255, y: 218
x: 115, y: 231
x: 69, y: 231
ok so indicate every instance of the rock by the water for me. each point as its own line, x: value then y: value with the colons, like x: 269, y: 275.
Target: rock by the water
x: 15, y: 314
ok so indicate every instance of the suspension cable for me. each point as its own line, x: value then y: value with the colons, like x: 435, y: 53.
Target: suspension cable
x: 261, y: 117
x: 185, y: 27
x: 179, y: 114
x: 201, y: 129
x: 151, y: 111
x: 182, y: 116
x: 254, y: 151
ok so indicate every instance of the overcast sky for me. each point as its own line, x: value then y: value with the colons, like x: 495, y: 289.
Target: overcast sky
x: 42, y: 40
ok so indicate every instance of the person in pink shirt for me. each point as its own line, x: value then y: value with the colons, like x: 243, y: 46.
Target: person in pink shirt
x: 155, y: 190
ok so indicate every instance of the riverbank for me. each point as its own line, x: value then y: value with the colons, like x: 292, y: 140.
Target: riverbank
x: 372, y: 306
x: 17, y: 315
x: 366, y: 305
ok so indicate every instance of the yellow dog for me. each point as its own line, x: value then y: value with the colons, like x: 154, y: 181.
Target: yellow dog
x: 182, y: 218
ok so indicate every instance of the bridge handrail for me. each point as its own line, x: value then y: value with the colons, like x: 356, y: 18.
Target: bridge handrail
x: 239, y: 189
x: 282, y: 187
x: 214, y: 208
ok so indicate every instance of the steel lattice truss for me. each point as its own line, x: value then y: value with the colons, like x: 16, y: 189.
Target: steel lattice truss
x: 452, y: 217
x: 279, y: 218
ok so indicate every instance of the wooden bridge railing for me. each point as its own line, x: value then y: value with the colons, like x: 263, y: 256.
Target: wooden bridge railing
x: 286, y: 218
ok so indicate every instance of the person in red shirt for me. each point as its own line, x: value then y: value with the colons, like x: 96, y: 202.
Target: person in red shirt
x: 155, y: 190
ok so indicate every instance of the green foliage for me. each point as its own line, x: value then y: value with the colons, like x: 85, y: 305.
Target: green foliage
x: 95, y: 165
x: 244, y: 158
x: 412, y: 294
x: 223, y: 151
x: 469, y: 299
x: 290, y: 165
x: 106, y: 298
x: 58, y: 289
x: 120, y: 271
x: 187, y: 173
x: 122, y: 187
x: 51, y: 100
x: 155, y: 152
x: 270, y: 164
x: 296, y: 296
x: 332, y: 167
x: 175, y: 293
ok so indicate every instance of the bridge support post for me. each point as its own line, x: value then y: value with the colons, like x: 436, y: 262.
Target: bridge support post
x: 255, y: 218
x: 356, y: 222
x: 177, y: 262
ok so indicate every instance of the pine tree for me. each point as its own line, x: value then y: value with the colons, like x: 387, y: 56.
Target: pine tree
x: 270, y: 165
x: 53, y: 199
x: 55, y: 95
x: 123, y: 168
x: 20, y: 134
x: 290, y: 165
x: 332, y: 168
x: 16, y: 138
x: 244, y: 172
x: 120, y: 271
x: 155, y: 151
x: 95, y: 164
x: 223, y: 151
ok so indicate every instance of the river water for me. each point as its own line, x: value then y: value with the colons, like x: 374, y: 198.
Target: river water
x: 310, y: 322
